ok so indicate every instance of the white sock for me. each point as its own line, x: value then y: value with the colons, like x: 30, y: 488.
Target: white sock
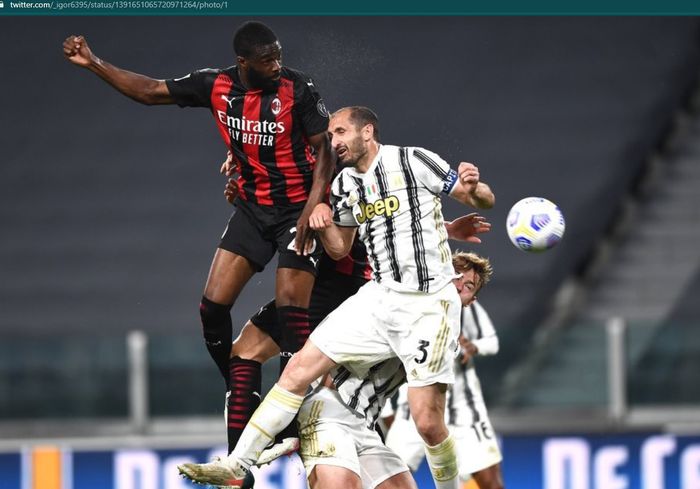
x: 275, y: 412
x: 442, y: 460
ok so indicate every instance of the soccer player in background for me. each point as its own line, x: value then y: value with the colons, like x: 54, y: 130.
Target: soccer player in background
x: 274, y: 122
x: 409, y: 310
x: 466, y: 415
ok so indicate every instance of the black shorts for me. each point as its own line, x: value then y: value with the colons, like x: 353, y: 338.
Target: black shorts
x: 258, y: 232
x: 330, y: 290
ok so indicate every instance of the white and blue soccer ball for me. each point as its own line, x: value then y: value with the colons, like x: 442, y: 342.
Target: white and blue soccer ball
x: 535, y: 224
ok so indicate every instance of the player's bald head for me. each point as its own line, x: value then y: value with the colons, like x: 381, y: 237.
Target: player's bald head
x: 252, y: 36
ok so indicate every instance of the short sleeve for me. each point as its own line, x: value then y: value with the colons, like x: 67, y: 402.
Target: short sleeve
x: 432, y: 171
x: 312, y: 110
x: 193, y: 90
x: 342, y: 202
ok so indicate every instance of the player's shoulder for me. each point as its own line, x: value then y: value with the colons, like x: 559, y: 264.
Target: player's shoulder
x: 213, y: 72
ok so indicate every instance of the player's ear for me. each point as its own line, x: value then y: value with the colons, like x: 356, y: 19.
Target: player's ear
x: 241, y: 61
x: 368, y: 132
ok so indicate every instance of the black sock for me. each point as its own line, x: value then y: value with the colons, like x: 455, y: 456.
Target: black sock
x: 217, y: 330
x: 245, y: 383
x: 295, y: 329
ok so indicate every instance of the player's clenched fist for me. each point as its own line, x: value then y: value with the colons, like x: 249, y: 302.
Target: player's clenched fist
x: 468, y: 173
x: 76, y: 49
x: 321, y: 217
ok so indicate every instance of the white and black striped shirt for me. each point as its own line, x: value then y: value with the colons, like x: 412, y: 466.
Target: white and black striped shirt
x: 368, y: 395
x: 396, y: 205
x: 478, y: 328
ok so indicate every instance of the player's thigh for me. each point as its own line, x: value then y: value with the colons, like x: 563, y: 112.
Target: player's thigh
x: 352, y: 334
x: 403, y: 480
x: 427, y: 405
x: 325, y: 476
x: 228, y: 275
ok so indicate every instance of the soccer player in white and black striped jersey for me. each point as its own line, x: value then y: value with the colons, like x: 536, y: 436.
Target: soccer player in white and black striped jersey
x: 466, y: 414
x: 409, y: 310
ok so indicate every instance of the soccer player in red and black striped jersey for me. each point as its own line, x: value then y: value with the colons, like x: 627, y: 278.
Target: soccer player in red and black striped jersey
x: 275, y: 124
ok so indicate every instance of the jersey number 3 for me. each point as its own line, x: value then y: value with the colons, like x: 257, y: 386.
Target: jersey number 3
x: 422, y: 348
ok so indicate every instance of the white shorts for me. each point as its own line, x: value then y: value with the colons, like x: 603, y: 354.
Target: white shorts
x: 477, y: 446
x: 333, y: 434
x: 378, y: 323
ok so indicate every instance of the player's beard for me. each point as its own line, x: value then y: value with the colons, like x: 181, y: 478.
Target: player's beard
x: 262, y: 82
x: 356, y: 150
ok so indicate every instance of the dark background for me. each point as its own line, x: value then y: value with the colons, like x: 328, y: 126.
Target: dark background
x: 110, y: 211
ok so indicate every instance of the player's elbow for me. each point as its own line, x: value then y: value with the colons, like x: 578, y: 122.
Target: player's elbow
x: 153, y: 92
x: 337, y: 252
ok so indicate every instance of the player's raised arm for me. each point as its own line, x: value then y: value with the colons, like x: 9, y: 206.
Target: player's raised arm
x: 138, y: 87
x: 323, y: 174
x: 470, y: 190
x: 336, y: 240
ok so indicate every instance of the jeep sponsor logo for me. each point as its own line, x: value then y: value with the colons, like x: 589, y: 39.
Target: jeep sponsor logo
x: 383, y: 207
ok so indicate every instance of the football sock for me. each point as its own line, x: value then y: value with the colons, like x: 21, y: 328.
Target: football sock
x: 295, y: 329
x: 277, y: 410
x: 442, y: 460
x: 217, y: 330
x: 243, y: 397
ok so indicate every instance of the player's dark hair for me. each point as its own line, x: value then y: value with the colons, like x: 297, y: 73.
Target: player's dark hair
x: 361, y: 116
x: 250, y: 36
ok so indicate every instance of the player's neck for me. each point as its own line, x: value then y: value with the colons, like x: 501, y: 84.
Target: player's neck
x: 366, y: 161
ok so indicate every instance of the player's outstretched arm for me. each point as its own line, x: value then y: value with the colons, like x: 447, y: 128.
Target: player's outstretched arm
x: 138, y: 87
x: 336, y: 240
x: 323, y: 174
x: 470, y: 190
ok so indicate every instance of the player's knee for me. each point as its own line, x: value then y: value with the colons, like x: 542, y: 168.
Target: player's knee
x: 431, y: 427
x: 214, y: 316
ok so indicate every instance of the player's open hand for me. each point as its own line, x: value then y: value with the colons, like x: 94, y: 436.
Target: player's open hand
x: 76, y: 49
x: 467, y: 227
x: 468, y: 175
x: 321, y: 217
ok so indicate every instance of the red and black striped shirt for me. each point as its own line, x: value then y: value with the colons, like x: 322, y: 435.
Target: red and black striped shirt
x: 267, y: 131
